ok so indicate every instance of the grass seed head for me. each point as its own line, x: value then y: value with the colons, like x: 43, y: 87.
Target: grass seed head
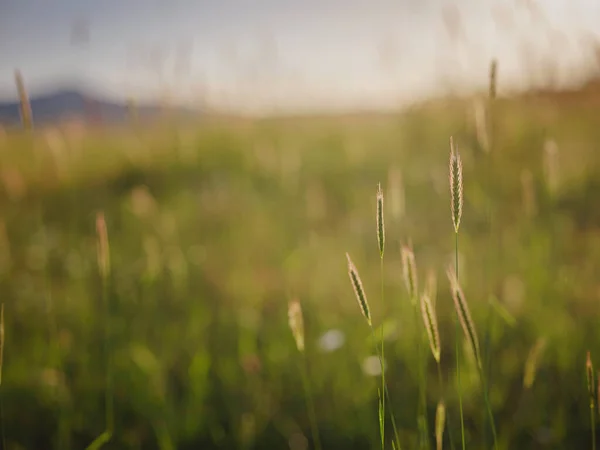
x: 103, y: 251
x: 296, y: 323
x: 409, y: 271
x: 464, y: 315
x: 456, y: 185
x: 430, y: 321
x: 358, y: 289
x: 440, y: 423
x: 380, y: 224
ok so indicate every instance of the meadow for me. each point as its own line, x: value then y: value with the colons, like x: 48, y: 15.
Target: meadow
x: 213, y: 228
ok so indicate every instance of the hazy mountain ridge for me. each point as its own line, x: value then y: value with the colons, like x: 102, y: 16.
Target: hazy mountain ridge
x: 65, y: 104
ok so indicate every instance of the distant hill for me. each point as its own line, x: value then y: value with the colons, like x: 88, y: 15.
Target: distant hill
x: 71, y: 103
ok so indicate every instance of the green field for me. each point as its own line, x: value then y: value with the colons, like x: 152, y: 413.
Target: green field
x: 214, y: 228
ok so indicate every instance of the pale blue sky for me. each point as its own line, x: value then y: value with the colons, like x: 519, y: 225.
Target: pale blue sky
x: 290, y: 54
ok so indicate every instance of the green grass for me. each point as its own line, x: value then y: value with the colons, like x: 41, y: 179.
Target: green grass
x: 211, y: 228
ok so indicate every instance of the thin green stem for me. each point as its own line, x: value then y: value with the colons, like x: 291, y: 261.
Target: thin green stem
x: 310, y: 405
x: 488, y: 406
x: 457, y: 352
x: 108, y: 397
x: 382, y: 414
x: 386, y: 392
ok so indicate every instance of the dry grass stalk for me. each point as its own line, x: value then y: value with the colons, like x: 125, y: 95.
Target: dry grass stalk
x: 296, y: 323
x: 430, y: 321
x: 103, y: 252
x: 396, y: 195
x: 591, y: 382
x: 358, y: 290
x: 528, y: 193
x: 551, y: 165
x: 25, y: 106
x: 431, y: 287
x: 464, y: 315
x: 532, y: 362
x: 409, y: 271
x: 493, y: 89
x: 380, y: 224
x: 440, y: 423
x: 481, y: 125
x: 456, y: 185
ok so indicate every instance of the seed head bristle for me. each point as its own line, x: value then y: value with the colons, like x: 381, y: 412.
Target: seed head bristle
x: 464, y: 315
x: 456, y: 185
x: 440, y: 423
x: 380, y: 224
x: 430, y: 321
x: 409, y: 271
x: 296, y: 323
x: 103, y: 252
x: 358, y: 290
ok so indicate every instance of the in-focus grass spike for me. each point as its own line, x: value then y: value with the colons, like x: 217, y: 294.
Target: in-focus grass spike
x: 380, y: 223
x: 456, y: 185
x: 358, y: 290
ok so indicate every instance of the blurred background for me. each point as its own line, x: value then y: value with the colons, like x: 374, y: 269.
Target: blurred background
x: 231, y: 152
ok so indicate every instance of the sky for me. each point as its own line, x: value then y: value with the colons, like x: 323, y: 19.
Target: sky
x: 293, y: 54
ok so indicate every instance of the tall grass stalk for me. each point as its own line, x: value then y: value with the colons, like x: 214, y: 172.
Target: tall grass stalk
x: 381, y: 244
x: 103, y: 253
x: 470, y: 333
x: 361, y: 297
x: 456, y: 207
x: 591, y: 385
x: 462, y: 310
x: 296, y: 322
x: 497, y: 255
